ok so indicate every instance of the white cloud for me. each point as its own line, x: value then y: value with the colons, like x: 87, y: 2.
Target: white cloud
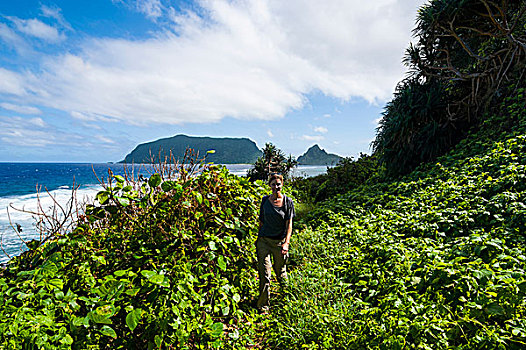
x: 82, y: 116
x: 11, y: 83
x: 104, y: 139
x: 91, y: 117
x: 55, y: 13
x: 20, y: 109
x: 316, y: 138
x: 321, y: 129
x: 326, y: 116
x: 27, y: 133
x: 247, y: 59
x: 36, y: 28
x: 269, y: 133
x: 38, y: 122
x: 35, y: 132
x: 92, y: 126
x: 151, y: 8
x: 14, y: 40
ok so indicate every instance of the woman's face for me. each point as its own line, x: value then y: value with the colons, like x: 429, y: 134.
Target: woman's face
x: 276, y: 185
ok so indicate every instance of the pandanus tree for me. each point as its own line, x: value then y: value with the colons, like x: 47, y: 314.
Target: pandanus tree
x: 476, y: 45
x: 272, y: 161
x: 467, y: 54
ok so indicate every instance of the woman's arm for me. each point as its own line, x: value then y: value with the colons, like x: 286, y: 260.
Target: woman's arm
x: 285, y: 246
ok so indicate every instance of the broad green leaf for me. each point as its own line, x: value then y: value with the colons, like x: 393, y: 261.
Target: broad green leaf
x: 225, y: 310
x: 168, y: 185
x: 108, y: 331
x: 67, y: 340
x: 155, y: 180
x: 49, y: 269
x: 132, y: 292
x: 495, y: 309
x: 133, y: 318
x: 56, y: 282
x: 156, y: 278
x: 78, y: 321
x: 103, y: 314
x: 158, y: 341
x: 148, y: 274
x: 236, y: 297
x: 106, y: 310
x: 221, y: 263
x: 199, y: 197
x: 102, y: 197
x: 123, y: 201
x: 216, y: 330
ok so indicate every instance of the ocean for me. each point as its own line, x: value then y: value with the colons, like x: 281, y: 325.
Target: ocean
x: 21, y: 184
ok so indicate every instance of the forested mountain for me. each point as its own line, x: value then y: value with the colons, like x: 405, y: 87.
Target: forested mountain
x: 227, y: 150
x: 317, y: 156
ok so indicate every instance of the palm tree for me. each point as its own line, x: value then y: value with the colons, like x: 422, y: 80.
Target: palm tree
x: 272, y: 161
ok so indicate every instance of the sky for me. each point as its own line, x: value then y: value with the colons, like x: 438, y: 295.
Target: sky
x: 87, y: 81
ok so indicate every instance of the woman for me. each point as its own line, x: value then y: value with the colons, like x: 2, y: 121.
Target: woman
x: 275, y: 228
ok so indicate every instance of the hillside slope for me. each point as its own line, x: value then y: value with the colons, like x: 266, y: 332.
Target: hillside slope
x: 433, y: 261
x: 317, y: 156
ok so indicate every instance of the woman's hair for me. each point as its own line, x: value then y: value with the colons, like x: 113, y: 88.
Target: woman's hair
x: 274, y: 176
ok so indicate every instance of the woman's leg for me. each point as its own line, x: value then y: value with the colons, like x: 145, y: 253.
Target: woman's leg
x: 264, y: 270
x: 280, y: 260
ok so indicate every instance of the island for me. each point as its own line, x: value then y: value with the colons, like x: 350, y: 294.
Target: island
x: 226, y: 150
x: 317, y: 156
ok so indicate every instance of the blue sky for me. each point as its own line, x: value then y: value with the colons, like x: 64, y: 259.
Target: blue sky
x: 87, y: 81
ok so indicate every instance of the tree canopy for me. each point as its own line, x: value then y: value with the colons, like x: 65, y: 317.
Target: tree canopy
x: 272, y: 161
x: 468, y: 55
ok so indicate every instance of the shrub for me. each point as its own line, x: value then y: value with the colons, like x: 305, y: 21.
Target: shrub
x: 160, y: 263
x: 343, y: 177
x: 272, y: 161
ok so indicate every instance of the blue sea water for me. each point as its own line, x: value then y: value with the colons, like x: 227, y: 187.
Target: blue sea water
x: 22, y: 184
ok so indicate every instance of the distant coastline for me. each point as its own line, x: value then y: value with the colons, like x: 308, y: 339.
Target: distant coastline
x: 218, y: 150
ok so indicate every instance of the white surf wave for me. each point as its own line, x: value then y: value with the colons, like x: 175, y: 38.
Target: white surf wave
x: 15, y: 215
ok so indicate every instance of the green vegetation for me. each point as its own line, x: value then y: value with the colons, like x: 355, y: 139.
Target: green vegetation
x: 157, y: 264
x: 346, y: 175
x: 173, y: 149
x: 433, y: 259
x: 273, y: 160
x: 317, y: 156
x: 466, y: 54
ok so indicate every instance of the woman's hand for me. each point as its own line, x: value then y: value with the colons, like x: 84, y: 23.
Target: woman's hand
x: 284, y: 248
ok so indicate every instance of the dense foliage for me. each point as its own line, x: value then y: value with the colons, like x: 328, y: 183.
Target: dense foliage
x: 433, y: 261
x: 156, y: 264
x: 273, y: 160
x: 467, y: 53
x: 416, y: 126
x: 343, y: 177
